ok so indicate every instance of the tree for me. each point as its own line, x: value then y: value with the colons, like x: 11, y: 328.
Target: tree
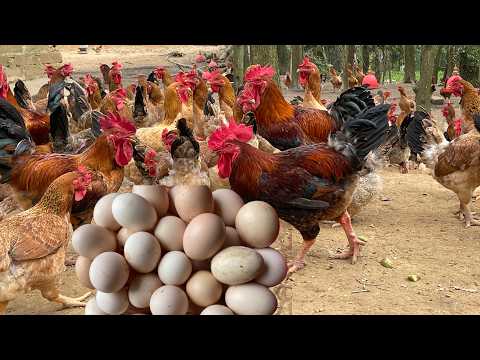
x: 424, y: 85
x: 283, y: 58
x: 436, y: 66
x: 349, y: 55
x: 365, y: 58
x: 450, y: 63
x: 246, y: 56
x: 238, y: 64
x: 409, y: 76
x: 265, y: 55
x: 297, y: 57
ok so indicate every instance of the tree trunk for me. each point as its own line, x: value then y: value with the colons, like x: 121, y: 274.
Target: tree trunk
x: 238, y: 65
x: 297, y: 57
x: 283, y: 59
x: 436, y: 66
x: 246, y: 56
x: 468, y: 68
x: 409, y: 76
x: 265, y: 55
x: 349, y: 55
x: 365, y: 58
x: 424, y: 85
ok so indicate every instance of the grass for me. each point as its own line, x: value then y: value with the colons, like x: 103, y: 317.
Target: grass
x: 397, y: 76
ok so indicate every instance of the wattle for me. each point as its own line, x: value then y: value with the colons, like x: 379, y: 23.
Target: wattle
x: 124, y: 152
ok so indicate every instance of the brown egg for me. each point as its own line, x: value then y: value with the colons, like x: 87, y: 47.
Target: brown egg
x: 134, y: 212
x: 169, y: 300
x: 92, y: 308
x: 142, y: 252
x: 191, y: 201
x: 274, y: 269
x: 174, y: 268
x: 141, y: 289
x: 203, y: 289
x: 89, y: 240
x: 217, y: 310
x: 204, y: 236
x: 227, y: 203
x: 156, y: 195
x: 109, y: 272
x: 115, y: 303
x: 257, y: 224
x: 232, y: 238
x: 102, y: 213
x: 236, y: 265
x: 169, y: 232
x: 250, y: 299
x: 123, y: 235
x: 82, y: 268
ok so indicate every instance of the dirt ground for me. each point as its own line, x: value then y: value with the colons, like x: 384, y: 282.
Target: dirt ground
x: 411, y: 223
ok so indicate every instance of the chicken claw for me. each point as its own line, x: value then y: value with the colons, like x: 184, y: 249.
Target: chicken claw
x: 72, y: 302
x: 295, y: 265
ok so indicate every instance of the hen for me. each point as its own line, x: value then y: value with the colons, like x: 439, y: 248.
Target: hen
x: 335, y: 80
x: 221, y: 85
x: 454, y: 126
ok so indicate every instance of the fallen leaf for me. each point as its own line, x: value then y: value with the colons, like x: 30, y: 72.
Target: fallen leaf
x: 387, y: 263
x: 413, y: 278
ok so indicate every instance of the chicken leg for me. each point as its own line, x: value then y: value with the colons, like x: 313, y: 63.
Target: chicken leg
x: 299, y: 262
x: 50, y: 292
x: 468, y: 215
x: 353, y: 241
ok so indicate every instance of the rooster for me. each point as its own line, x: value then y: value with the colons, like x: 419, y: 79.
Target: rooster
x: 218, y: 83
x: 148, y: 105
x: 306, y: 184
x: 470, y: 100
x: 162, y: 74
x: 454, y: 126
x: 352, y: 80
x: 309, y: 78
x: 33, y: 243
x: 359, y: 75
x: 335, y: 79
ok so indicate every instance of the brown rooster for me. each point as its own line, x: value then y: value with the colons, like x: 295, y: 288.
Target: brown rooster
x: 470, y: 102
x: 221, y: 85
x: 162, y: 74
x: 335, y: 79
x: 358, y: 74
x: 33, y: 243
x: 454, y: 126
x: 352, y: 80
x: 148, y: 105
x: 309, y: 78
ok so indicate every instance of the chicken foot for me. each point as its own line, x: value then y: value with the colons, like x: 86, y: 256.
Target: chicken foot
x: 354, y: 242
x: 50, y: 292
x: 299, y: 262
x: 468, y: 215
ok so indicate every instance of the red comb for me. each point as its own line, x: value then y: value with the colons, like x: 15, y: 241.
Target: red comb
x: 3, y: 83
x: 259, y: 72
x: 306, y: 63
x: 232, y: 131
x: 66, y: 70
x: 212, y: 64
x: 200, y: 58
x: 209, y: 76
x: 49, y: 70
x: 116, y: 65
x: 119, y: 125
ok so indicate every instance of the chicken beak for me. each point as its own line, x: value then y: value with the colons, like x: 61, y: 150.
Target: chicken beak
x: 252, y: 101
x: 298, y: 70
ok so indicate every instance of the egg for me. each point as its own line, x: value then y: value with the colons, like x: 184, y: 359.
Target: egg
x: 192, y: 200
x: 169, y: 232
x: 142, y: 251
x: 231, y: 238
x: 123, y: 235
x: 257, y: 224
x: 141, y: 289
x: 171, y: 200
x: 89, y: 240
x: 134, y: 212
x: 250, y: 299
x: 227, y: 203
x: 82, y: 268
x: 275, y: 267
x: 169, y: 300
x: 217, y: 310
x: 102, y: 213
x: 91, y: 308
x: 203, y: 289
x: 109, y: 272
x: 236, y: 265
x: 174, y: 268
x: 156, y: 195
x: 204, y: 236
x: 115, y: 303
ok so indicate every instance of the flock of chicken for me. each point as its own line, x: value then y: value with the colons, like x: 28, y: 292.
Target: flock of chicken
x: 60, y: 151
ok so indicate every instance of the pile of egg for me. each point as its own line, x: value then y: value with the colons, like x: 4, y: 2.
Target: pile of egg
x: 180, y: 251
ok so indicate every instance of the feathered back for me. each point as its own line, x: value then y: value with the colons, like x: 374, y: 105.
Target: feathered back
x: 350, y: 104
x: 416, y: 135
x: 59, y: 129
x: 139, y: 108
x: 22, y: 95
x: 185, y: 134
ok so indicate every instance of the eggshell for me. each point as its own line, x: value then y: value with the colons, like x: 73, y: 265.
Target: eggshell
x: 231, y: 238
x: 123, y: 235
x: 204, y: 236
x: 102, y: 213
x: 227, y: 203
x: 250, y: 299
x: 169, y: 300
x: 115, y: 303
x: 192, y: 200
x: 89, y: 240
x: 156, y: 195
x: 142, y: 251
x: 174, y: 268
x: 169, y: 232
x: 236, y: 265
x: 82, y: 268
x: 217, y: 310
x: 109, y: 272
x: 274, y: 269
x: 141, y: 289
x: 203, y: 289
x: 257, y: 224
x: 134, y: 212
x: 91, y: 308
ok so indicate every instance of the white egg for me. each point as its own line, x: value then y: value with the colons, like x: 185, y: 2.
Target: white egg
x: 174, y: 268
x: 115, y: 303
x: 89, y: 240
x: 156, y: 195
x: 134, y: 212
x: 257, y: 224
x: 102, y: 213
x: 227, y: 203
x: 236, y: 265
x: 141, y: 289
x: 275, y: 267
x: 250, y: 299
x: 203, y: 289
x: 142, y: 252
x: 109, y: 272
x: 217, y: 310
x: 169, y: 300
x: 169, y: 232
x: 123, y: 235
x: 92, y: 308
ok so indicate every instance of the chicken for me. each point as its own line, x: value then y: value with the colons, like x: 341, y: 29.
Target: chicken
x: 95, y: 91
x: 352, y: 80
x: 335, y: 80
x: 455, y: 164
x: 148, y: 105
x: 286, y: 126
x: 287, y: 81
x: 359, y: 75
x: 162, y: 74
x: 33, y: 243
x: 218, y: 83
x: 306, y: 184
x: 454, y: 126
x: 470, y: 100
x: 309, y: 78
x: 117, y: 101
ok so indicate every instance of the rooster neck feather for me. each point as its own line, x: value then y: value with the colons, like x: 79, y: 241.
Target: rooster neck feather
x: 273, y: 106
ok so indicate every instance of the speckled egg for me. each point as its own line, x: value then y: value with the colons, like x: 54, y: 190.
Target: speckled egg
x: 82, y: 268
x: 227, y: 203
x: 142, y: 252
x: 91, y: 308
x: 102, y: 213
x: 204, y: 236
x: 203, y: 289
x: 192, y: 200
x: 174, y: 268
x: 169, y: 232
x: 250, y: 299
x: 109, y: 272
x: 274, y: 269
x: 123, y: 235
x: 141, y: 289
x: 257, y: 224
x: 236, y: 265
x: 169, y: 300
x: 217, y: 310
x: 232, y: 238
x: 134, y: 212
x: 115, y: 303
x: 89, y: 240
x: 156, y: 195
